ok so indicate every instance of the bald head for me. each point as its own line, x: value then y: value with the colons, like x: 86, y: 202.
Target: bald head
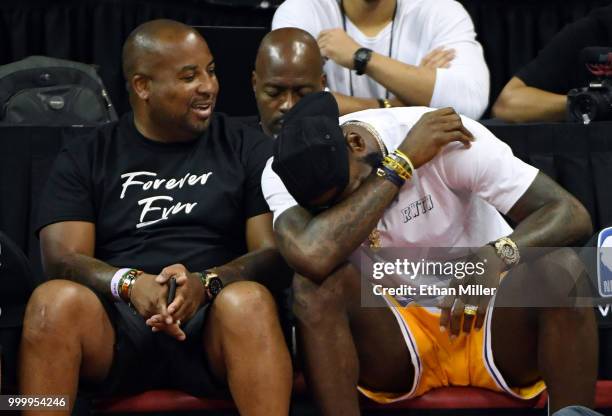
x: 288, y: 47
x: 151, y: 40
x: 171, y: 79
x: 288, y: 66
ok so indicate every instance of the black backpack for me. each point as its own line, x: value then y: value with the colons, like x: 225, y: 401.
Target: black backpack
x: 44, y: 91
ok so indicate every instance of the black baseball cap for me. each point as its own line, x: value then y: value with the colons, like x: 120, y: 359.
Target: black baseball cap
x: 310, y: 152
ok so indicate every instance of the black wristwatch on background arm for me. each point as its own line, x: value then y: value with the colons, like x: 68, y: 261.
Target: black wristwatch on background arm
x: 361, y: 57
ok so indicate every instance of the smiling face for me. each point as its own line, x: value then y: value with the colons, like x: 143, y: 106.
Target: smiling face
x: 176, y: 86
x: 288, y: 66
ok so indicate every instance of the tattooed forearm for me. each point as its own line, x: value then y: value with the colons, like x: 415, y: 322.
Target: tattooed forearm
x: 315, y: 246
x: 265, y: 266
x: 86, y: 270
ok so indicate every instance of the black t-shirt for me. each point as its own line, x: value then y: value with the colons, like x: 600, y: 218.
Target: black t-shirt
x: 250, y: 121
x: 155, y: 204
x: 558, y: 67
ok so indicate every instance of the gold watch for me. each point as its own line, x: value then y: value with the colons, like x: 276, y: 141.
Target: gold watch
x: 507, y: 250
x: 212, y: 283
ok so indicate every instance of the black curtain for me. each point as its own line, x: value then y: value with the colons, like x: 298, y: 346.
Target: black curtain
x: 92, y: 31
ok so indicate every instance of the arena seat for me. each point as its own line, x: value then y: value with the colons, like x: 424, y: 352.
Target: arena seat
x: 445, y: 398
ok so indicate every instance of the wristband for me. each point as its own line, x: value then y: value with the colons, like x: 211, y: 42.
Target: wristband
x: 392, y: 163
x: 126, y: 283
x: 390, y: 175
x: 114, y: 285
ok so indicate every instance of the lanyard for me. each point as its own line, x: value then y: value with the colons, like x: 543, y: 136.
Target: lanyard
x: 390, y: 41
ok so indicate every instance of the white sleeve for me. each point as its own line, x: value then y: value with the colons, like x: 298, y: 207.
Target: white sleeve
x: 278, y: 198
x: 465, y: 84
x: 488, y: 169
x: 297, y: 13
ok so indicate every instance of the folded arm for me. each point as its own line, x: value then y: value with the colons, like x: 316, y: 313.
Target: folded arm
x: 520, y: 103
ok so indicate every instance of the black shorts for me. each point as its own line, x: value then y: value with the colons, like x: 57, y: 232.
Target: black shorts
x: 145, y: 360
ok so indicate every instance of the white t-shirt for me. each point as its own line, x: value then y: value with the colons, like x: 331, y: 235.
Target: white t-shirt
x: 420, y: 26
x: 451, y: 201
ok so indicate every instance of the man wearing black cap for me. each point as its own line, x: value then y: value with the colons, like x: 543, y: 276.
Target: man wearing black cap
x: 412, y: 177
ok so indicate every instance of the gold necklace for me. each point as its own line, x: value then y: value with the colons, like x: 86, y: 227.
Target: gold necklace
x: 370, y: 129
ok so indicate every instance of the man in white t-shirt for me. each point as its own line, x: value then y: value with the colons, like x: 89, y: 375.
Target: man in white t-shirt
x: 329, y: 190
x: 395, y: 52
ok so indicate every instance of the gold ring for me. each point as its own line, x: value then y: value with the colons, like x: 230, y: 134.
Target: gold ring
x: 470, y: 310
x: 178, y: 322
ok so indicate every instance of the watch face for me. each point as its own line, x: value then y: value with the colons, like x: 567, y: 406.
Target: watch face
x: 507, y: 250
x: 214, y: 286
x: 360, y: 60
x: 362, y: 54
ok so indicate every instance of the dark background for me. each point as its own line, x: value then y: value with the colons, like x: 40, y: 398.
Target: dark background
x: 93, y: 31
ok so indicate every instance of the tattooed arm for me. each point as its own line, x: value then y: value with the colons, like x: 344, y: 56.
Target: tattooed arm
x: 68, y: 248
x: 67, y: 252
x: 315, y: 246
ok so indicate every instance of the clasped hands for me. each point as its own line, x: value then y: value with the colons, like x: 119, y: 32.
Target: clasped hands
x: 150, y: 295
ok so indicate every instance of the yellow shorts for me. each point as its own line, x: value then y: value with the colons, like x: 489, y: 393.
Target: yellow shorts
x: 438, y: 362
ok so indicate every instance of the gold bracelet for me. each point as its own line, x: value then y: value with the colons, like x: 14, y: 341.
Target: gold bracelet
x: 396, y: 167
x: 384, y: 103
x: 406, y: 166
x: 127, y: 282
x: 406, y: 159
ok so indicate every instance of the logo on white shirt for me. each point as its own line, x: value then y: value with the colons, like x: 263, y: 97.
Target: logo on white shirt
x: 422, y: 206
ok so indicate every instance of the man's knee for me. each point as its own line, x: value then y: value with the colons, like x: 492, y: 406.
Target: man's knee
x: 245, y: 303
x: 561, y: 276
x: 54, y: 307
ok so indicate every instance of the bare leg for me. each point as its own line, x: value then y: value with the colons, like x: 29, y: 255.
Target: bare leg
x: 558, y: 343
x: 344, y: 343
x: 245, y: 346
x: 66, y: 333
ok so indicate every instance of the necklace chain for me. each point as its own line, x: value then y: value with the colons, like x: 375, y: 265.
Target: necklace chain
x: 390, y: 42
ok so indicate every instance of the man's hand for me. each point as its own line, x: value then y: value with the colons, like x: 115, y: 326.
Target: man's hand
x: 438, y: 58
x: 453, y: 308
x: 190, y: 294
x: 336, y: 45
x: 431, y: 133
x: 148, y: 296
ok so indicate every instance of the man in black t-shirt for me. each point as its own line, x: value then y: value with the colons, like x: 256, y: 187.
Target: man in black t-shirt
x: 170, y: 191
x: 538, y: 92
